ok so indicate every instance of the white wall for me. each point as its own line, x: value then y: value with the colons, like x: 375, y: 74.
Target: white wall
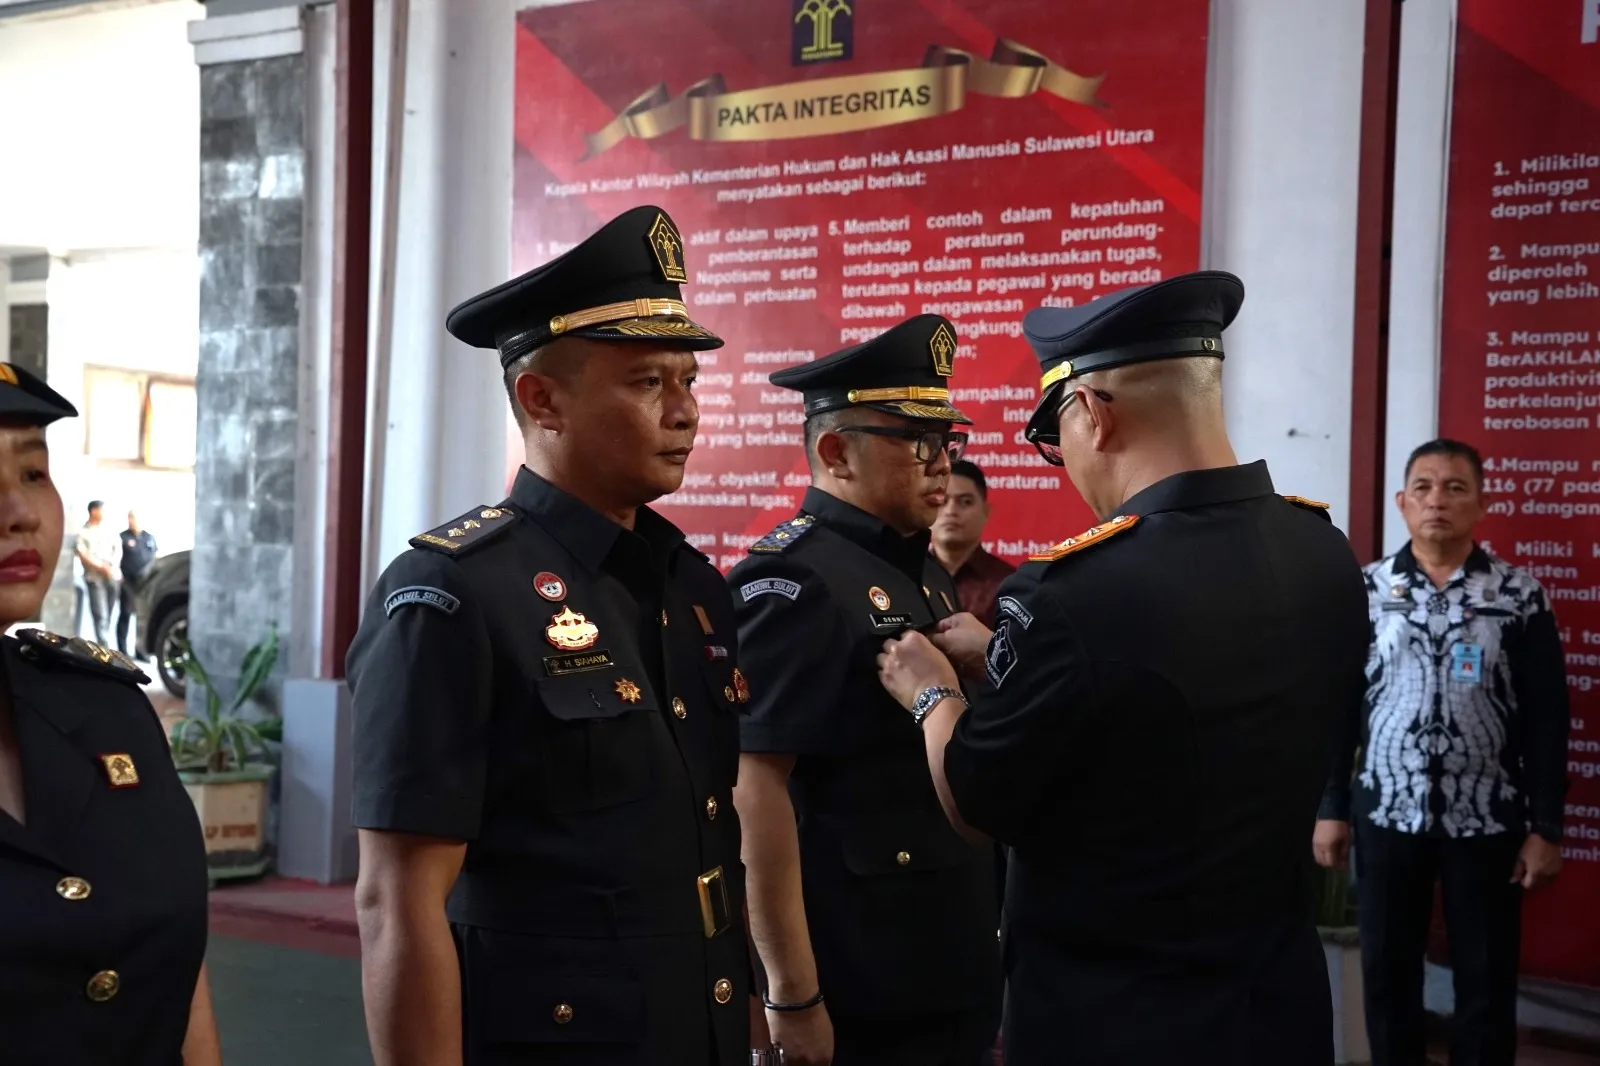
x: 1427, y: 54
x: 1282, y: 156
x: 102, y: 109
x: 134, y: 309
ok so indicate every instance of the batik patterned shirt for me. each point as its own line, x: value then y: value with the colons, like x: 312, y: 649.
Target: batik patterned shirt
x: 1464, y: 728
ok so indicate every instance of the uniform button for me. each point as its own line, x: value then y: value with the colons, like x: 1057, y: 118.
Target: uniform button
x: 103, y: 985
x: 73, y: 888
x: 722, y: 991
x: 678, y: 708
x: 711, y: 808
x: 727, y: 693
x: 562, y: 1014
x: 903, y: 858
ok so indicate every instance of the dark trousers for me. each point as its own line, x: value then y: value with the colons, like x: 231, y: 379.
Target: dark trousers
x: 937, y: 1040
x: 124, y: 613
x: 1395, y: 874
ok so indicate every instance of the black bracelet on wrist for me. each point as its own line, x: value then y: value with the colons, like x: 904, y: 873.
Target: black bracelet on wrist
x: 789, y: 1008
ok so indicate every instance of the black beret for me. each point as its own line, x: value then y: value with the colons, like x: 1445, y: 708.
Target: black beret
x: 1181, y: 316
x: 904, y: 371
x: 25, y: 399
x: 621, y: 284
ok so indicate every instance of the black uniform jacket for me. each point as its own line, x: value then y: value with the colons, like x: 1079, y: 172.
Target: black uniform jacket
x: 901, y: 910
x: 1154, y: 748
x: 103, y: 886
x: 563, y: 694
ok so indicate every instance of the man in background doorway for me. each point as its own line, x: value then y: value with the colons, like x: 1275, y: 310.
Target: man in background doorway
x: 1462, y: 774
x: 138, y: 552
x: 958, y: 542
x: 98, y: 555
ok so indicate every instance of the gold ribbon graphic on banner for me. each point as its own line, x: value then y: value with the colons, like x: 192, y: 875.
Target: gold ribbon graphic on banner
x: 846, y: 104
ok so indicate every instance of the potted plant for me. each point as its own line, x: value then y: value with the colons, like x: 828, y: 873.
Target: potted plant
x: 225, y: 763
x: 1341, y: 947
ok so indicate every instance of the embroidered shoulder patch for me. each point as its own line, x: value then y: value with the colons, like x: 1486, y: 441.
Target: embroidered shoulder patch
x: 785, y: 536
x: 1310, y: 505
x: 1092, y: 535
x: 473, y: 529
x: 80, y: 654
x: 424, y: 595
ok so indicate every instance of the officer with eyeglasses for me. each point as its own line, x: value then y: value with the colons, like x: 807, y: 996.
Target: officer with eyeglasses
x: 874, y: 921
x: 1166, y: 687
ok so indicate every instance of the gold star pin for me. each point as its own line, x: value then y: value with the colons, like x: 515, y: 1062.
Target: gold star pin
x: 628, y: 691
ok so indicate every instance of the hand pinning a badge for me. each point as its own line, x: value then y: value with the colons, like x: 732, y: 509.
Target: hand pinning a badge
x: 909, y: 664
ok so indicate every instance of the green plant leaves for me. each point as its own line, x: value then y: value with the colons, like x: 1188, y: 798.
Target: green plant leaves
x: 221, y: 742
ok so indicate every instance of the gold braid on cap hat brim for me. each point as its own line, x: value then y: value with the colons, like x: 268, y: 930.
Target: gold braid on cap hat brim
x: 619, y: 312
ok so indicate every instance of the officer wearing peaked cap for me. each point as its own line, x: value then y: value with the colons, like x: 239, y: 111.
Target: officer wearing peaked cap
x: 874, y: 920
x: 547, y: 694
x: 1164, y: 689
x: 102, y: 863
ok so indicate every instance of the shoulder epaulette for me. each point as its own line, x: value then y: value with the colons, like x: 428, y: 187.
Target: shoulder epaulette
x: 80, y: 654
x: 473, y: 529
x: 1092, y: 535
x: 1310, y: 505
x: 785, y: 536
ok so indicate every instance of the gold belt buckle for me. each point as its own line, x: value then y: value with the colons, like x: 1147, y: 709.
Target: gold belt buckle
x: 714, y: 895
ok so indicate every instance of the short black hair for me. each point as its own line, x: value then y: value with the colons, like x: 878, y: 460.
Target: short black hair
x: 970, y: 471
x: 95, y: 505
x: 1453, y: 449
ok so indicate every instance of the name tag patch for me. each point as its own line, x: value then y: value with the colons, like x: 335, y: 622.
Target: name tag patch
x: 769, y: 586
x: 1466, y: 663
x: 1012, y: 606
x: 580, y: 663
x: 1000, y: 658
x: 438, y: 599
x: 883, y: 620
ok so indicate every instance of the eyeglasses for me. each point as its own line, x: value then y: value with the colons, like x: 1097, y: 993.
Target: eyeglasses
x: 930, y: 442
x: 1048, y: 441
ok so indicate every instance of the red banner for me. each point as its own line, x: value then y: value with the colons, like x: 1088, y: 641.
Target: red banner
x: 838, y: 165
x: 1520, y: 374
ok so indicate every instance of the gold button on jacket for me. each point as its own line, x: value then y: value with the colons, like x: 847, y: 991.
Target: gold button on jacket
x: 678, y: 708
x: 722, y: 991
x: 73, y: 888
x: 103, y: 985
x: 903, y: 858
x: 562, y: 1014
x: 711, y: 808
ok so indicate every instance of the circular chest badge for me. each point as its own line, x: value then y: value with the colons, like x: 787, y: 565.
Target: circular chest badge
x: 879, y: 598
x: 549, y: 586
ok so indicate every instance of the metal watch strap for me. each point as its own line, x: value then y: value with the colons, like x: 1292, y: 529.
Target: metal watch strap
x: 931, y: 697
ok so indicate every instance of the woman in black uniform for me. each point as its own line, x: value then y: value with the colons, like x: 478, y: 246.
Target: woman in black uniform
x: 102, y: 864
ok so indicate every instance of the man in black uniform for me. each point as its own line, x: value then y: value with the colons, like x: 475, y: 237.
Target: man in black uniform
x: 872, y: 901
x: 138, y: 552
x: 1165, y: 686
x: 546, y: 710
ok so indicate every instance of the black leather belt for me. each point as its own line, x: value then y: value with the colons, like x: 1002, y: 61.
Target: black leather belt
x: 541, y: 908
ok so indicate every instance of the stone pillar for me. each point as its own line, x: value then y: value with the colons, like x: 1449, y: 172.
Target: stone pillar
x: 252, y: 165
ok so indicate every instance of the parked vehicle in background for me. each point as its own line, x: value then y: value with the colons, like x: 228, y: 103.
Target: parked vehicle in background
x: 162, y: 607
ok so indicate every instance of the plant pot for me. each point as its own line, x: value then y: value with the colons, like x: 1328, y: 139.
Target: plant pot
x: 1341, y: 948
x: 233, y: 815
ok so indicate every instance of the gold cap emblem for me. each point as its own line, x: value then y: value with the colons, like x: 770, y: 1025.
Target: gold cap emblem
x: 942, y: 345
x: 667, y: 247
x: 570, y: 631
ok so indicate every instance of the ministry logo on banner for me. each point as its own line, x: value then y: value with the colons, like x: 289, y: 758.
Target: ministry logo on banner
x: 824, y: 30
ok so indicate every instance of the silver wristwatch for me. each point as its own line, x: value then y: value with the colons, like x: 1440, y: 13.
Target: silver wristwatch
x: 929, y: 698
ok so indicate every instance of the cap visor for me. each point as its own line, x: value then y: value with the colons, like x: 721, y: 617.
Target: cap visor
x: 23, y: 409
x: 673, y: 331
x: 938, y: 412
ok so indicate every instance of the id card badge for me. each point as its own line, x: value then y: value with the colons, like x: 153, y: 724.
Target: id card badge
x: 1466, y: 663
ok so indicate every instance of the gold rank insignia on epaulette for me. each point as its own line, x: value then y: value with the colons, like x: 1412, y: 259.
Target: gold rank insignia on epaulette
x: 785, y: 536
x: 1092, y: 535
x: 476, y: 527
x: 41, y: 645
x: 1310, y: 505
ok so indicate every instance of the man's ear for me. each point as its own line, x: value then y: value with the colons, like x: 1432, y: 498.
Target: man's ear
x: 1400, y: 502
x: 1102, y: 420
x: 834, y: 453
x: 542, y: 399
